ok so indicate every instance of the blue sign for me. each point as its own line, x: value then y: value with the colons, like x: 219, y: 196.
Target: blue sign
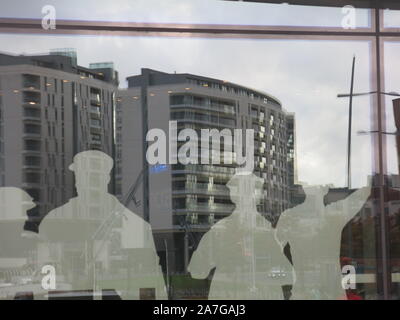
x: 158, y: 168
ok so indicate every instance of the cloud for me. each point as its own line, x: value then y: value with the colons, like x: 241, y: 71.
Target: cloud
x: 306, y: 75
x: 184, y: 11
x: 392, y: 84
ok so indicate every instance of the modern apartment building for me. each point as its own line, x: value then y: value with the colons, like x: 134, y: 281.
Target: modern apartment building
x: 183, y: 201
x: 51, y: 109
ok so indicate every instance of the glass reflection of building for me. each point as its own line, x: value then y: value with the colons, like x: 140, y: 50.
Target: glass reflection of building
x: 378, y: 33
x: 60, y: 109
x: 186, y: 200
x: 51, y: 109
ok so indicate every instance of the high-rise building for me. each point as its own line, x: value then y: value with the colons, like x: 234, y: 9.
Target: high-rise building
x: 51, y: 109
x: 182, y: 201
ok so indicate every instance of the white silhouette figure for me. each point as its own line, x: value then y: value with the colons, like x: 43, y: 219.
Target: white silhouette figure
x: 248, y: 262
x: 84, y: 236
x: 15, y: 242
x: 314, y: 233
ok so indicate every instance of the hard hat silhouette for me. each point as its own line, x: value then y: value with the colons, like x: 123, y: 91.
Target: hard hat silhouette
x: 92, y: 160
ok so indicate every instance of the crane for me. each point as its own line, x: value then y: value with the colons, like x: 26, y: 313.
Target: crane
x: 103, y: 231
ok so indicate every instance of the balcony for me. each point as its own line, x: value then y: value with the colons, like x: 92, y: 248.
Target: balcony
x: 32, y: 129
x: 32, y: 146
x: 208, y: 141
x: 32, y: 162
x: 31, y: 82
x: 95, y: 98
x: 259, y: 119
x: 95, y: 141
x: 206, y: 208
x: 202, y: 188
x: 31, y: 98
x: 95, y: 112
x: 222, y: 108
x: 95, y: 126
x: 32, y: 114
x: 208, y: 169
x: 187, y: 116
x: 32, y: 178
x: 95, y: 103
x: 225, y: 158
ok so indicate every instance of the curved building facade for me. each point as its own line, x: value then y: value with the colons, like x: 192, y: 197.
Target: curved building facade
x: 182, y: 201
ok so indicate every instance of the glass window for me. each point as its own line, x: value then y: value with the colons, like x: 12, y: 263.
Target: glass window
x: 309, y: 96
x: 391, y: 18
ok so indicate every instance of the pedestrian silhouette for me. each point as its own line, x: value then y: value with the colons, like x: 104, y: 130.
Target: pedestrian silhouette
x: 86, y: 237
x: 16, y: 245
x: 248, y: 262
x: 314, y: 233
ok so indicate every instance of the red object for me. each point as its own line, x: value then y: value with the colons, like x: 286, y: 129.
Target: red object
x: 351, y: 296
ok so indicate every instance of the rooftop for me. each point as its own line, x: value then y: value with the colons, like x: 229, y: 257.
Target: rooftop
x: 162, y: 78
x: 63, y: 60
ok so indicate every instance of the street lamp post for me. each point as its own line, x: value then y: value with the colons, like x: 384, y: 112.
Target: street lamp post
x: 346, y: 95
x: 350, y: 122
x: 383, y: 219
x: 362, y: 132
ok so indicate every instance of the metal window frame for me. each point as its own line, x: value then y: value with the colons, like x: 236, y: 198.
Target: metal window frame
x: 376, y: 34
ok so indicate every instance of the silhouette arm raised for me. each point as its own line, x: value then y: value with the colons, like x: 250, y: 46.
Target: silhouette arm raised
x: 352, y: 204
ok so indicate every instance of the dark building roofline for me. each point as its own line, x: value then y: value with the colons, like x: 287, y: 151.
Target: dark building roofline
x: 61, y: 63
x: 162, y: 78
x: 382, y: 4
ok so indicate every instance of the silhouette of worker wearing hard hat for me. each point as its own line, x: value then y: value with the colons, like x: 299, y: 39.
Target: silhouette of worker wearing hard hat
x: 314, y: 233
x: 248, y: 262
x: 84, y: 234
x: 16, y: 244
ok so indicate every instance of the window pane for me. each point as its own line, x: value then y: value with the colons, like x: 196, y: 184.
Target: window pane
x: 391, y: 18
x: 191, y: 12
x: 286, y: 90
x: 392, y: 51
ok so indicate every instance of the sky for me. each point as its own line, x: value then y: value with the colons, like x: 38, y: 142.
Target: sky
x: 392, y: 84
x: 305, y: 75
x: 182, y: 11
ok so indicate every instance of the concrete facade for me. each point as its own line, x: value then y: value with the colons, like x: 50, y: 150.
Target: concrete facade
x: 50, y: 111
x: 184, y: 201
